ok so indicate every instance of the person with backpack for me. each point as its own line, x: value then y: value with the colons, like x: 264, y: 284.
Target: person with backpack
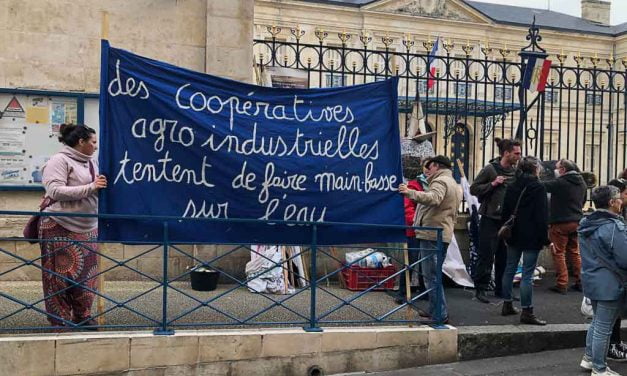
x: 489, y: 187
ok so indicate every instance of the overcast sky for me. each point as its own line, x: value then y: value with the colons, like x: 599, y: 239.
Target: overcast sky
x: 572, y: 7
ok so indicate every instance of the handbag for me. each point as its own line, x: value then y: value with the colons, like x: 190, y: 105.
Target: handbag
x: 505, y: 232
x: 31, y: 229
x: 586, y: 308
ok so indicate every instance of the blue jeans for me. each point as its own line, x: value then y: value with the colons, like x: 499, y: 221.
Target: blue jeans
x: 598, y: 337
x: 530, y: 258
x: 428, y: 248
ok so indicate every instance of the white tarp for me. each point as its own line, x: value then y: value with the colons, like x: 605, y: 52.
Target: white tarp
x: 264, y: 278
x: 454, y: 266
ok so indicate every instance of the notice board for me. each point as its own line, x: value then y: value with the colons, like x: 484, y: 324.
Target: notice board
x: 29, y: 129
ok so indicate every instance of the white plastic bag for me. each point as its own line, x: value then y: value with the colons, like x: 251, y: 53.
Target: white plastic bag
x: 586, y: 308
x: 368, y: 259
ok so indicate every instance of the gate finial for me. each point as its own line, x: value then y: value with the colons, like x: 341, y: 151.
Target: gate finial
x: 534, y: 37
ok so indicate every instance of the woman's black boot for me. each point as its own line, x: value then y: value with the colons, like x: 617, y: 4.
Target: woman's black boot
x: 527, y: 317
x: 509, y: 309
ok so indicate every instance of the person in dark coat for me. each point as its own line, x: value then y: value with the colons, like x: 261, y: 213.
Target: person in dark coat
x: 529, y: 236
x: 568, y: 196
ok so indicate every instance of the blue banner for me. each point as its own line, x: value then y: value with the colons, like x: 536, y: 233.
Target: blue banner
x: 181, y: 143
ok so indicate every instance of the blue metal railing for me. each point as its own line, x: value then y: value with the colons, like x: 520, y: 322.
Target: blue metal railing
x: 311, y: 305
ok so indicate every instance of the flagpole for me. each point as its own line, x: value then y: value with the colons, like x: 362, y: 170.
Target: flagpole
x: 533, y: 50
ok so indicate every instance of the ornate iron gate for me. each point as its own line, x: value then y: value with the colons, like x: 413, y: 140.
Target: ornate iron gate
x: 580, y: 116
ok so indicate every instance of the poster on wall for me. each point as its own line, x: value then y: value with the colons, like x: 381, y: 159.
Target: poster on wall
x: 38, y: 111
x: 62, y: 111
x: 12, y: 169
x: 36, y: 164
x: 13, y: 109
x: 12, y: 139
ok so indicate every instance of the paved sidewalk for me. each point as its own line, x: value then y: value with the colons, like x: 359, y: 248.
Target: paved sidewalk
x: 241, y: 304
x: 548, y: 363
x: 464, y: 310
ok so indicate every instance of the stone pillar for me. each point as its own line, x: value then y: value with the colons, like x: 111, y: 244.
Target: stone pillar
x: 230, y: 39
x: 596, y: 11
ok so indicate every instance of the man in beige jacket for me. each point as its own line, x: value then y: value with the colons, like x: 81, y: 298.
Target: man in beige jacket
x: 438, y: 208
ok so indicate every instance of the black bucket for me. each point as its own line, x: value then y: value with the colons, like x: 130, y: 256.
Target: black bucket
x: 204, y: 280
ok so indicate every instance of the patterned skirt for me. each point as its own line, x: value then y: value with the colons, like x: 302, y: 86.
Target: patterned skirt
x: 70, y: 263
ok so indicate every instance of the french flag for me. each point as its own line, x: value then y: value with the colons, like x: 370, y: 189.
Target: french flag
x: 436, y: 51
x: 536, y: 74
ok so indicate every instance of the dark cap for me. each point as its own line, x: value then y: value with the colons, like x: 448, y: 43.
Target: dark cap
x: 441, y: 160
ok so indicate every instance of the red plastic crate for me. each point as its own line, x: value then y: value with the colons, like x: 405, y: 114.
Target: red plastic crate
x: 358, y: 278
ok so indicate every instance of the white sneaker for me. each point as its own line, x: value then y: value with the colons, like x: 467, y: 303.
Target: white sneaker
x: 586, y: 363
x: 606, y: 372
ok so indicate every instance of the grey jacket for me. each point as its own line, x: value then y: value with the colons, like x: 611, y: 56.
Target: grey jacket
x: 603, y: 243
x: 491, y: 198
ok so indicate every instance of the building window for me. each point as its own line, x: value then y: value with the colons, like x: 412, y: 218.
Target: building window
x: 551, y: 96
x: 498, y: 93
x: 550, y: 150
x: 422, y: 87
x: 593, y: 99
x: 463, y: 89
x: 591, y: 153
x: 281, y: 51
x: 335, y: 80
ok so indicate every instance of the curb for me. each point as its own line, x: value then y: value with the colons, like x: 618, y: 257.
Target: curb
x: 479, y: 342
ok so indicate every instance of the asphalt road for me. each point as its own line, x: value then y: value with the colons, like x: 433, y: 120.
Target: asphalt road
x: 548, y: 363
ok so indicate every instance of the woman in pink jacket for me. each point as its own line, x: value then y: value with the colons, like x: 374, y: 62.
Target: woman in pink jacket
x: 68, y: 246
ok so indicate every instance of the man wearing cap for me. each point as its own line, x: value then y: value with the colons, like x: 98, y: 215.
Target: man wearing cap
x: 438, y: 208
x: 415, y: 149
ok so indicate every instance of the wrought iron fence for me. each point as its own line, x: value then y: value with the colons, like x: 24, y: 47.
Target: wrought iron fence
x: 327, y: 290
x: 472, y: 94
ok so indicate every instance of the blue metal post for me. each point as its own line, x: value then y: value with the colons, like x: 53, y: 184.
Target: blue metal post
x: 163, y: 330
x: 313, y: 277
x: 439, y: 261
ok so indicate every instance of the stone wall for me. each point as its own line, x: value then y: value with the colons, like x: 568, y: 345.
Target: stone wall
x: 220, y: 352
x: 55, y: 44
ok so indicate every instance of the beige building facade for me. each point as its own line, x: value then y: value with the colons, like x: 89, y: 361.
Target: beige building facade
x: 576, y: 125
x: 55, y: 45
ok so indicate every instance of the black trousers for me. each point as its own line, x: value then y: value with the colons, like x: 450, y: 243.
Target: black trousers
x: 615, y: 337
x: 491, y: 251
